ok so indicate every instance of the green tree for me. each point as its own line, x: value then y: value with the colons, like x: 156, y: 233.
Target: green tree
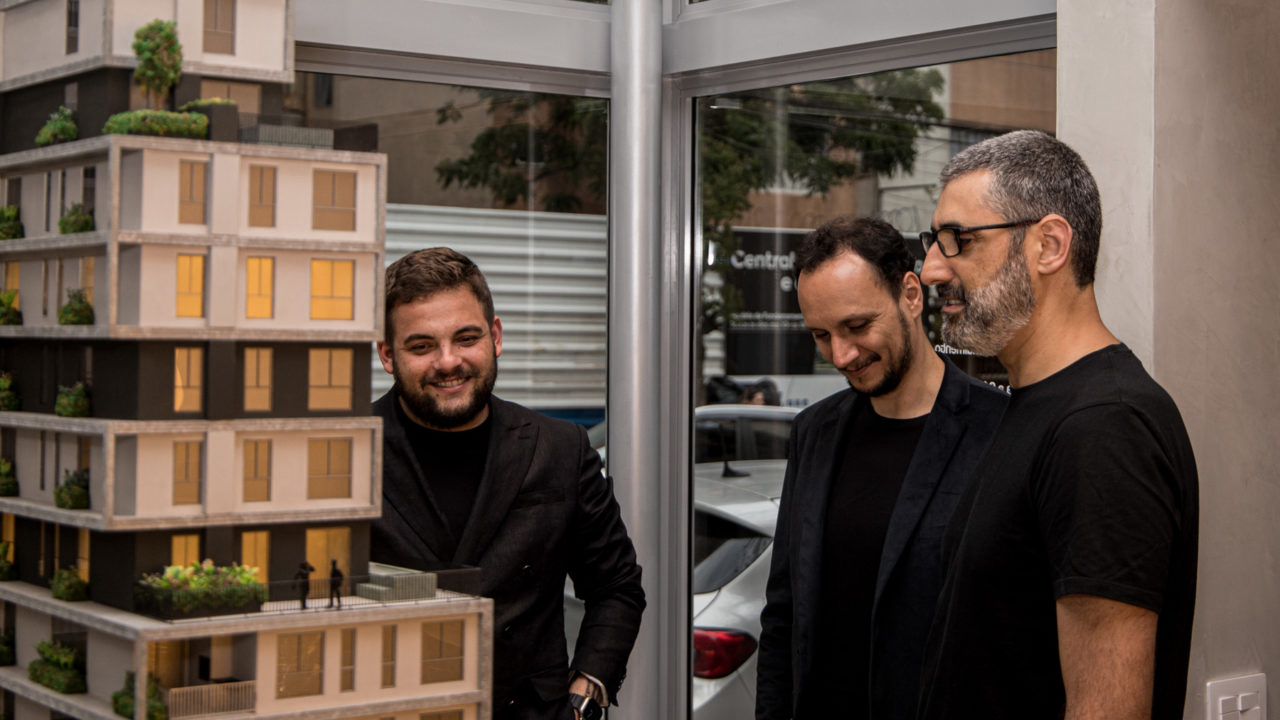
x: 159, y: 59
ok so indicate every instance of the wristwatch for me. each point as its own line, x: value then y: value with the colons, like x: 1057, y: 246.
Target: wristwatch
x: 586, y: 707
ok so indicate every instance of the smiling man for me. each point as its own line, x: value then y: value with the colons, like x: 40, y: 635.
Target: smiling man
x: 1071, y: 561
x: 469, y: 479
x: 873, y: 475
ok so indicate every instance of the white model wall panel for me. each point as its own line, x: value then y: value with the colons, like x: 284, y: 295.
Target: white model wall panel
x: 34, y: 36
x: 107, y: 659
x: 129, y: 15
x: 261, y: 32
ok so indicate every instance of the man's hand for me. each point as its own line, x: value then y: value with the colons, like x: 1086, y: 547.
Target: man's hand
x: 1107, y: 650
x: 583, y: 686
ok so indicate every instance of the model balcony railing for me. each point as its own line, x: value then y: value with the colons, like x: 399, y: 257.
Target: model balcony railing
x: 216, y: 699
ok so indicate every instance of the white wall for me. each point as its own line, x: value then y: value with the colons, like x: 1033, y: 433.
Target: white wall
x: 107, y: 658
x: 129, y: 15
x: 1170, y: 103
x: 34, y: 36
x: 261, y: 34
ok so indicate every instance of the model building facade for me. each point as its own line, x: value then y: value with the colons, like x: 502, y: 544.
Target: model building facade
x: 235, y: 290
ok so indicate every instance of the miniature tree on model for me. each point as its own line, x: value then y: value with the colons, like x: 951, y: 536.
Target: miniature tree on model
x: 159, y: 59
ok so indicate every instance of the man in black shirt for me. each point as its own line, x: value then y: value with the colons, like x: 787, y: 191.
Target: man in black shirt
x: 873, y: 476
x: 1071, y: 570
x: 469, y: 479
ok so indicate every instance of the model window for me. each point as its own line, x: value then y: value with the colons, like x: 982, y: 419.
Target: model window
x: 188, y: 379
x: 186, y: 472
x: 347, y: 671
x: 388, y: 656
x: 84, y: 446
x: 184, y: 550
x: 329, y: 387
x: 328, y: 468
x: 444, y: 715
x: 262, y: 196
x: 332, y: 289
x: 191, y: 192
x: 300, y: 664
x: 190, y: 286
x: 6, y: 533
x: 11, y: 275
x: 259, y: 287
x: 73, y: 26
x: 333, y: 200
x: 441, y: 651
x: 82, y: 554
x: 246, y: 96
x: 257, y: 379
x: 257, y: 470
x: 255, y: 547
x: 86, y: 277
x: 220, y: 26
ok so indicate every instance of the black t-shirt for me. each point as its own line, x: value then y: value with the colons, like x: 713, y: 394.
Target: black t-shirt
x: 859, y: 505
x: 1089, y: 487
x: 452, y: 463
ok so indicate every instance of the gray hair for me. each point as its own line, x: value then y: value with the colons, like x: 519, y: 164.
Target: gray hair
x: 1034, y: 174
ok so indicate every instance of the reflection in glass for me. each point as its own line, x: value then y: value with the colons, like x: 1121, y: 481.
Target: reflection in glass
x: 516, y: 181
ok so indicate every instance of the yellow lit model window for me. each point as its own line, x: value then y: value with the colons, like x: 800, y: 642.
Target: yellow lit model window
x: 6, y: 533
x: 332, y: 288
x: 185, y: 550
x: 329, y: 387
x: 220, y: 26
x: 328, y: 468
x: 333, y: 200
x: 441, y: 715
x: 186, y: 472
x: 257, y: 379
x: 262, y: 196
x: 257, y: 470
x: 191, y: 192
x: 188, y: 379
x: 347, y: 672
x: 190, y: 286
x: 259, y: 287
x: 255, y: 550
x: 300, y: 664
x: 11, y: 281
x: 388, y: 656
x: 82, y: 555
x: 441, y: 651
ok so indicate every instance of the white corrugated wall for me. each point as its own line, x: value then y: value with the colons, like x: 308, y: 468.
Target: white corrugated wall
x: 548, y: 275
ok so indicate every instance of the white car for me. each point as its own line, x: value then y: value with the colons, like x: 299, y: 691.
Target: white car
x: 740, y: 456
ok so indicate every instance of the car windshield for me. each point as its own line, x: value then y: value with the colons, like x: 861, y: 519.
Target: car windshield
x: 722, y: 549
x: 741, y: 438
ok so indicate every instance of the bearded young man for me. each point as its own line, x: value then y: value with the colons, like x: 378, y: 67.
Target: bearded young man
x: 872, y: 478
x: 469, y: 479
x: 1071, y: 560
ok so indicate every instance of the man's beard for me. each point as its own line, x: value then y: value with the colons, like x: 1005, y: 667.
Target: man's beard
x: 993, y: 313
x: 425, y: 408
x: 895, y: 368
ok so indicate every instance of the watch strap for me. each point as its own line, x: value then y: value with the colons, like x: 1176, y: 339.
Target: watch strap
x: 586, y: 706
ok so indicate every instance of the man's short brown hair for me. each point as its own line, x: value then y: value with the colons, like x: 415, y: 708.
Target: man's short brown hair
x: 423, y: 273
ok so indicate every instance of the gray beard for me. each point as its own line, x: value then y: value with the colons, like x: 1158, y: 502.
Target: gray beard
x: 995, y: 312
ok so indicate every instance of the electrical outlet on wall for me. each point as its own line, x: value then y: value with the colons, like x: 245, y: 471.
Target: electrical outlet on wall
x: 1241, y: 698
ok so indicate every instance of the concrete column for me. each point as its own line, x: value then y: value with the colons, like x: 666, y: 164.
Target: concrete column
x: 1173, y: 105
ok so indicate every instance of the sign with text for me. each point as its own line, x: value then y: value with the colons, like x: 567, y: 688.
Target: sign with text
x: 766, y: 335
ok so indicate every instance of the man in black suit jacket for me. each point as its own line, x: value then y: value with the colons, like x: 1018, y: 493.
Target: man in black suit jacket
x: 469, y: 479
x: 873, y: 476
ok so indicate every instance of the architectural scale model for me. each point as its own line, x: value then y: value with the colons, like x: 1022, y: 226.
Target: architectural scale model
x: 185, y: 357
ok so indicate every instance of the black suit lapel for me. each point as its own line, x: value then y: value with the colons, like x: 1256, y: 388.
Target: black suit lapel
x: 511, y: 446
x: 938, y: 441
x: 411, y: 502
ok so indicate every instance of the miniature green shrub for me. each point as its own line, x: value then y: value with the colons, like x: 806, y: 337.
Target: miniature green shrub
x: 122, y: 699
x: 67, y: 585
x: 199, y: 588
x: 73, y: 493
x: 8, y: 483
x: 72, y: 401
x: 77, y: 311
x: 76, y: 220
x: 59, y: 668
x: 8, y: 396
x: 9, y: 314
x: 60, y: 127
x: 7, y: 571
x: 158, y: 122
x: 195, y: 105
x: 10, y: 225
x: 159, y: 58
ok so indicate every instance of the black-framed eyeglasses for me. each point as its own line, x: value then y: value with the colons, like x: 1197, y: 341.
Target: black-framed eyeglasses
x: 948, y: 239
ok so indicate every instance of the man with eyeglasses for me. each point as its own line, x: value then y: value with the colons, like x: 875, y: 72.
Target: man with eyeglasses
x: 1071, y: 558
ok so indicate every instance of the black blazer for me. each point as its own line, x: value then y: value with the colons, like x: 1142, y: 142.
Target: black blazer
x: 543, y: 510
x: 961, y: 423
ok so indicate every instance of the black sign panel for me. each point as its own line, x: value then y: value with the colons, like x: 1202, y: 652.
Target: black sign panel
x: 766, y: 336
